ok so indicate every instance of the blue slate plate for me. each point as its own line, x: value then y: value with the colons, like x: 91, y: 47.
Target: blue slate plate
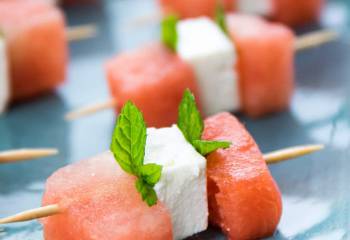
x: 315, y: 188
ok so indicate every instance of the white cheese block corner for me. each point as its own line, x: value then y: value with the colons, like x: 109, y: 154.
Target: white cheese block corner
x: 260, y: 7
x: 4, y: 79
x: 182, y: 187
x: 212, y: 56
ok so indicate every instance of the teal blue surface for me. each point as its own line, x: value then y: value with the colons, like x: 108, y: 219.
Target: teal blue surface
x: 316, y: 191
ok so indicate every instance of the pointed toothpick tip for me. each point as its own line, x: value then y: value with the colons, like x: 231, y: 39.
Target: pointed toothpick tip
x: 26, y: 154
x: 89, y: 110
x: 32, y: 214
x: 292, y: 152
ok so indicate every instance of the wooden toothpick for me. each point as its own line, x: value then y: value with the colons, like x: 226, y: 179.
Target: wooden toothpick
x: 54, y: 209
x: 91, y: 109
x: 81, y: 32
x: 26, y: 154
x: 290, y: 153
x: 32, y: 214
x: 315, y: 39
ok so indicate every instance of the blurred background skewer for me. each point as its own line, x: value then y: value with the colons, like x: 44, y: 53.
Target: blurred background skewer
x: 81, y: 32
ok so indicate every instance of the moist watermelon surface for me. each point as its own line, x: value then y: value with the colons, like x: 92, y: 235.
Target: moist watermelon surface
x: 36, y: 46
x: 296, y: 13
x: 154, y: 79
x: 193, y: 8
x: 265, y: 63
x: 100, y: 202
x: 244, y: 200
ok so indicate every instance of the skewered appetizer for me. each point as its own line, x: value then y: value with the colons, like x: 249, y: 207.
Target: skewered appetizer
x: 217, y: 67
x: 220, y: 62
x: 290, y: 12
x: 225, y: 72
x: 207, y: 61
x: 33, y: 49
x: 162, y: 186
x: 34, y: 32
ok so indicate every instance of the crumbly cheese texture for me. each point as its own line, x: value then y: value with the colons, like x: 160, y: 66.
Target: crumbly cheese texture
x: 212, y: 56
x: 182, y: 187
x: 260, y: 7
x: 4, y: 79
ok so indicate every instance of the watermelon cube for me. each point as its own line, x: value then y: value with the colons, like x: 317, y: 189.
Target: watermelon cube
x: 36, y: 46
x: 99, y: 201
x: 154, y: 79
x: 244, y: 199
x: 265, y: 63
x: 297, y: 13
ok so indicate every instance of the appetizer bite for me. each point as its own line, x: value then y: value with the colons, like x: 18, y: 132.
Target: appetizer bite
x: 157, y: 183
x: 242, y: 64
x: 34, y: 32
x: 290, y: 12
x: 33, y: 48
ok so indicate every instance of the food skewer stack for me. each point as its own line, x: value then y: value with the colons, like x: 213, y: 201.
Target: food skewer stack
x: 98, y: 199
x: 249, y: 69
x: 33, y: 48
x: 170, y: 182
x: 33, y: 57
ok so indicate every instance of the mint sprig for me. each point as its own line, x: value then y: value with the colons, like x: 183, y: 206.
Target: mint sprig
x: 128, y: 147
x: 220, y: 18
x: 191, y: 125
x: 169, y: 33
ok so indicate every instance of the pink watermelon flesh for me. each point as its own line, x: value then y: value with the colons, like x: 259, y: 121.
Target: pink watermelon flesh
x: 153, y: 78
x: 244, y: 199
x: 100, y: 202
x: 297, y: 13
x: 37, y: 46
x: 265, y: 63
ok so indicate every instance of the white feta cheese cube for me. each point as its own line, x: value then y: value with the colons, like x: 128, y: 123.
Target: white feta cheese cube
x: 260, y: 7
x: 4, y: 79
x: 182, y: 187
x: 212, y: 55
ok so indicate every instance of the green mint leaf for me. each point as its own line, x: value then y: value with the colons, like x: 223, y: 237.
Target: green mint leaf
x: 147, y: 192
x: 151, y: 173
x: 206, y: 147
x: 191, y: 125
x: 168, y: 32
x: 128, y: 147
x: 220, y: 18
x: 189, y: 120
x: 129, y: 139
